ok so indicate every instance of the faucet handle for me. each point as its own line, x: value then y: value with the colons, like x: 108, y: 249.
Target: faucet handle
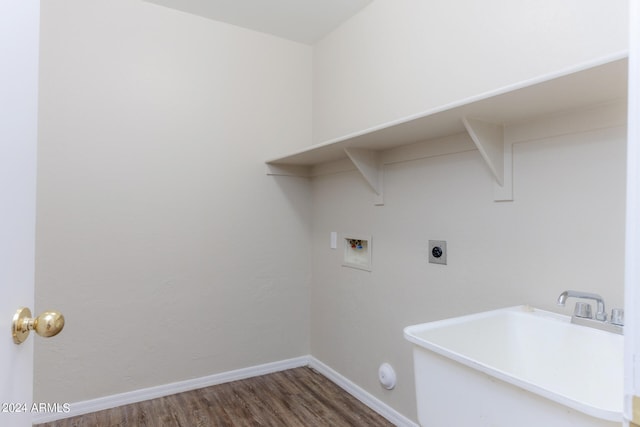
x: 583, y: 310
x: 617, y: 316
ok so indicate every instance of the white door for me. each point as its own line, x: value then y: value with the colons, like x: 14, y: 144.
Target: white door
x: 19, y: 42
x: 632, y: 249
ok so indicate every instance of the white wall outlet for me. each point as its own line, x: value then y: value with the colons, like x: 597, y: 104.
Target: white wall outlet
x: 438, y: 252
x: 333, y: 240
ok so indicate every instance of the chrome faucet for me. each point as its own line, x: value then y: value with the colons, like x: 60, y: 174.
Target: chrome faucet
x: 582, y: 313
x: 601, y: 313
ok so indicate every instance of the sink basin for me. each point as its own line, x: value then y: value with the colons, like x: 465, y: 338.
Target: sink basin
x: 516, y: 366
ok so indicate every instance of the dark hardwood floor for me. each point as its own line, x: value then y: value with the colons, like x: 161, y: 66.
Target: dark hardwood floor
x: 296, y: 397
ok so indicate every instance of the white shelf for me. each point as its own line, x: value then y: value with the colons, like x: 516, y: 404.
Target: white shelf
x: 483, y: 117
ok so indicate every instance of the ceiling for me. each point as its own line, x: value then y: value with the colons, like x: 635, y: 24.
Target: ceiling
x: 304, y: 21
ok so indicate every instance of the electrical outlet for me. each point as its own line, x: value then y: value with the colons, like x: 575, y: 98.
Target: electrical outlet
x: 438, y: 252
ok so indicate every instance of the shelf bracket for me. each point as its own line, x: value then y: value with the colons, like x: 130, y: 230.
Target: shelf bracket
x: 370, y: 167
x: 489, y: 139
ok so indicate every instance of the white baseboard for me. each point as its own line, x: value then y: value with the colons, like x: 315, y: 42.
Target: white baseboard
x: 108, y: 402
x: 362, y: 395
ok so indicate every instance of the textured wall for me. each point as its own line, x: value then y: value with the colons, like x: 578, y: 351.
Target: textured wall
x: 170, y: 252
x: 564, y: 230
x: 401, y: 57
x: 174, y: 257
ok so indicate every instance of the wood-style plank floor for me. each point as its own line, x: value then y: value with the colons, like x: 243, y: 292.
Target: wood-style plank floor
x: 296, y: 397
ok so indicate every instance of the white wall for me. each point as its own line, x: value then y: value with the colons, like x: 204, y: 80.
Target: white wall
x: 401, y: 57
x: 564, y: 230
x: 174, y: 257
x: 159, y: 237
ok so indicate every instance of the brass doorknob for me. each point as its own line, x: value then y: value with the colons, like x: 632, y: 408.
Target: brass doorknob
x: 48, y: 324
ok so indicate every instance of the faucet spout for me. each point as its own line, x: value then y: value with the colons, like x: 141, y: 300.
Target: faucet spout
x: 562, y: 299
x: 601, y: 314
